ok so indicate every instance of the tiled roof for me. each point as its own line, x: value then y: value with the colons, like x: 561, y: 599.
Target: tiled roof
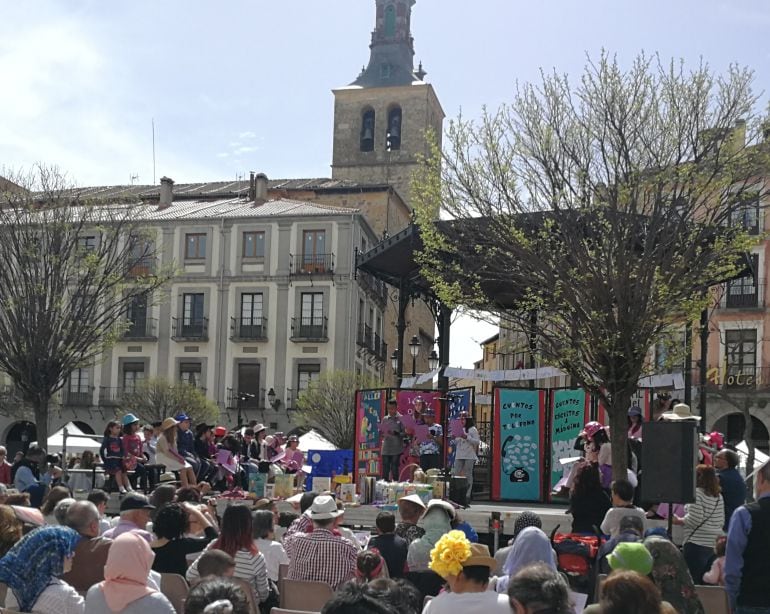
x: 214, y: 189
x: 239, y: 208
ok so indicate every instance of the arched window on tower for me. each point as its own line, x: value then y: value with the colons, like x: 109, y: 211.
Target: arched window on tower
x: 390, y: 21
x: 393, y: 136
x: 367, y: 130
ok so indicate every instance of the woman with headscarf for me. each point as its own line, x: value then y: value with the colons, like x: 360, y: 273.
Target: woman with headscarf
x: 531, y: 546
x: 671, y: 576
x: 32, y: 570
x: 125, y: 588
x: 523, y: 520
x: 437, y: 522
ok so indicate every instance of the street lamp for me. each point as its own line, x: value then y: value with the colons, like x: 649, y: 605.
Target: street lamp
x: 433, y: 360
x: 394, y: 361
x: 414, y: 350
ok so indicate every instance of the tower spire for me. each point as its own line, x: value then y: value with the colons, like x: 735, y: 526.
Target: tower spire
x: 392, y: 49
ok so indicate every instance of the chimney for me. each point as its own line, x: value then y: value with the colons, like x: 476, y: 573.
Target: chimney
x: 252, y: 186
x: 260, y: 188
x: 737, y: 138
x: 166, y: 192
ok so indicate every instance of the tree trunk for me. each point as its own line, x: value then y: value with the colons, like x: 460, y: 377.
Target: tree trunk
x: 618, y: 415
x: 748, y: 436
x: 40, y: 405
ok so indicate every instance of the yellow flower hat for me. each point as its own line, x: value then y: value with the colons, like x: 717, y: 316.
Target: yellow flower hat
x: 449, y: 554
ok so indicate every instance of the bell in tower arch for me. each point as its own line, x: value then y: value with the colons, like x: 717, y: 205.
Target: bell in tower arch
x: 394, y: 129
x: 367, y: 130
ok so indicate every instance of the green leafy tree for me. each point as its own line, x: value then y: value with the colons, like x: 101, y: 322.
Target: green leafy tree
x: 71, y: 268
x: 328, y: 405
x: 158, y: 398
x: 592, y: 215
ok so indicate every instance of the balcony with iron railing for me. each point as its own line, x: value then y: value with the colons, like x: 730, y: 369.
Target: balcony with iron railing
x: 144, y: 329
x: 83, y: 397
x: 141, y: 268
x: 372, y: 342
x: 311, y: 264
x: 375, y: 288
x: 310, y: 329
x: 186, y: 329
x: 248, y: 329
x: 743, y: 296
x: 245, y: 400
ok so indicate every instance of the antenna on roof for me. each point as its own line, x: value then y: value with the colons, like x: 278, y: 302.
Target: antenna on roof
x: 133, y: 178
x: 153, y: 151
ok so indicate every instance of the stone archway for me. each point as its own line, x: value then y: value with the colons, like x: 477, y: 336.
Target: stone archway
x: 20, y: 434
x: 733, y: 424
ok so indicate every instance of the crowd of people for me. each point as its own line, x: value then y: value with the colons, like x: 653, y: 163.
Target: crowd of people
x: 423, y: 558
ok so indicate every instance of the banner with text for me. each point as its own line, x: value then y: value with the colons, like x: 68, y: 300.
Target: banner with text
x: 569, y: 413
x: 519, y: 418
x: 370, y: 406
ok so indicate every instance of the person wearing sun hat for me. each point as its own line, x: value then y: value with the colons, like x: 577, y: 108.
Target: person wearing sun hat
x: 632, y: 556
x: 466, y: 567
x: 168, y: 455
x: 436, y: 521
x: 321, y: 556
x: 679, y: 412
x: 410, y: 508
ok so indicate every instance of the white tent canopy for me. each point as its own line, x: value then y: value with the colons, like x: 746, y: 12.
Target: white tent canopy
x: 75, y: 445
x: 760, y: 458
x: 312, y: 440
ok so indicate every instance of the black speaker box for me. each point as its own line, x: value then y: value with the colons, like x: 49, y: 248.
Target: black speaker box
x: 670, y: 452
x: 458, y: 490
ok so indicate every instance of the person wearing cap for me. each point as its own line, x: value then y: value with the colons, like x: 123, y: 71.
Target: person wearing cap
x: 133, y: 457
x: 392, y: 433
x: 168, y: 455
x: 321, y: 556
x: 747, y: 572
x: 134, y: 515
x: 185, y: 442
x: 430, y: 446
x: 294, y: 458
x: 437, y: 522
x: 466, y: 568
x: 635, y: 422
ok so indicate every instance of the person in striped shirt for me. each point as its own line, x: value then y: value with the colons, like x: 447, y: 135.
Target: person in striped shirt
x: 703, y: 522
x: 236, y: 539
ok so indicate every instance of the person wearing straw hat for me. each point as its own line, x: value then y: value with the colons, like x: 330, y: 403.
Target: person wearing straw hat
x: 679, y: 412
x: 466, y: 567
x: 168, y: 455
x: 321, y: 556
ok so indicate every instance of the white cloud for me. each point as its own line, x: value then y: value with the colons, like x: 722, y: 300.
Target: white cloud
x: 247, y: 135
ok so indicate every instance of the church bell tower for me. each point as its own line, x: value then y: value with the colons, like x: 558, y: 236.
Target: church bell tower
x: 382, y: 119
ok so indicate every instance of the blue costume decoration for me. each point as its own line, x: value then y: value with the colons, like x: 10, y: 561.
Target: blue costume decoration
x: 33, y: 562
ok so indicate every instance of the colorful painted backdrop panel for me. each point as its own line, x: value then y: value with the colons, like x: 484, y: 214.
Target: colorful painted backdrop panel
x: 519, y: 419
x: 569, y: 414
x: 369, y: 410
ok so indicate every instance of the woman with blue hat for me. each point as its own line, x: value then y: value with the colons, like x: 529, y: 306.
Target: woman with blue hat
x: 635, y: 422
x: 133, y: 457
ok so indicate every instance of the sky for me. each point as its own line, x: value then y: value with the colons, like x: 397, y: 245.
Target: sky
x: 243, y: 85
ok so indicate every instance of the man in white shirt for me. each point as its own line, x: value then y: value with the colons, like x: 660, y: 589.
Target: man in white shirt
x: 466, y: 448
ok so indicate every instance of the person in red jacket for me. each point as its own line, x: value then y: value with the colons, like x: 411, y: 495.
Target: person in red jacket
x: 5, y: 467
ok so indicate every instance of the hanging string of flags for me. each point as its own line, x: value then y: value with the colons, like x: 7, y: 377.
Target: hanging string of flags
x: 664, y: 380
